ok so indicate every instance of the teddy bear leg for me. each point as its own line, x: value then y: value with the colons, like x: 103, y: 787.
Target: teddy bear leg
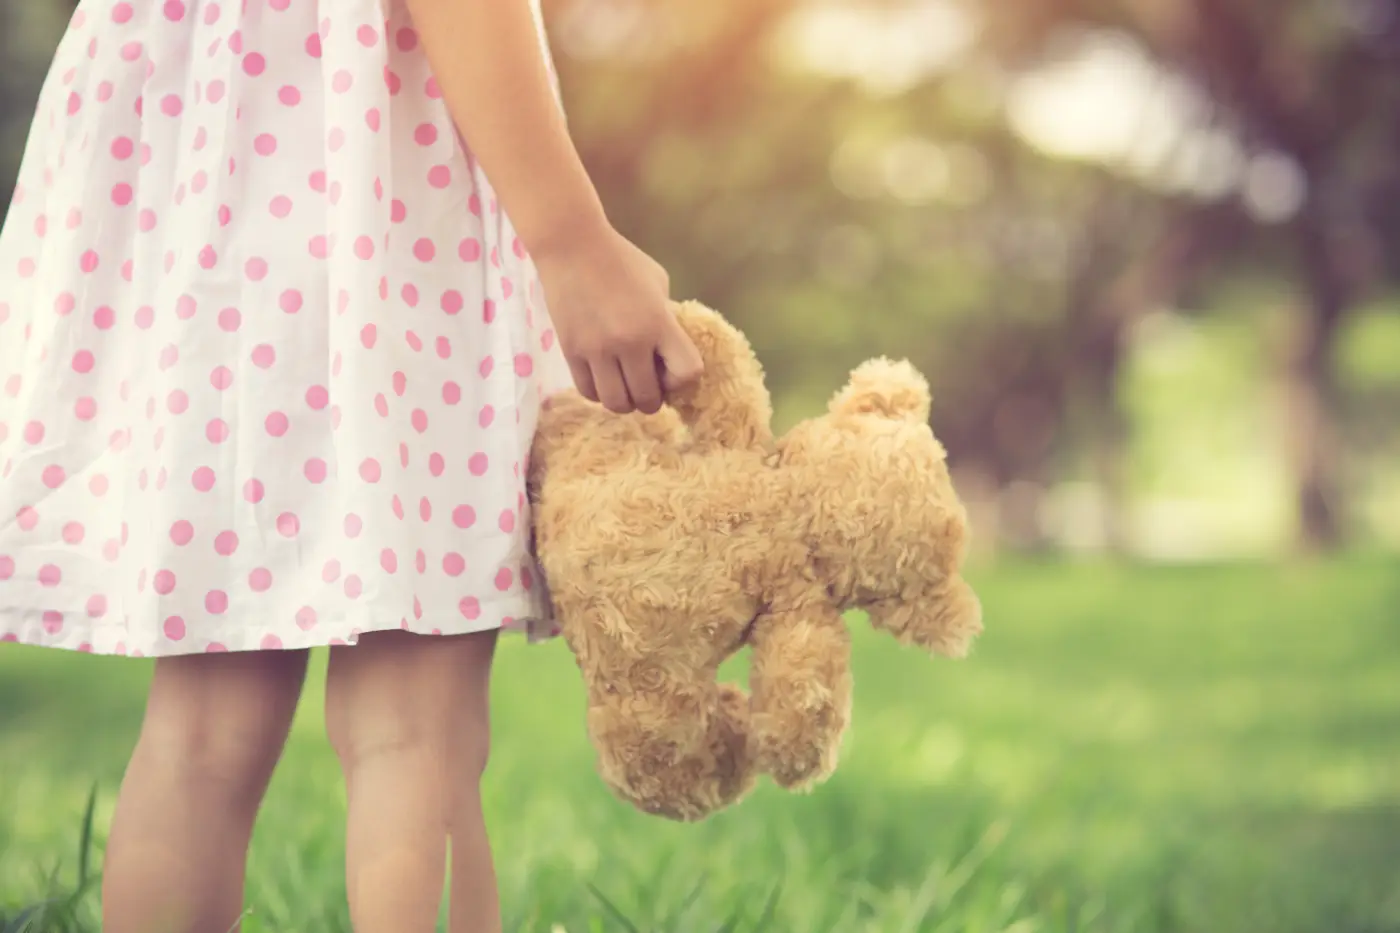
x: 678, y: 753
x: 801, y: 683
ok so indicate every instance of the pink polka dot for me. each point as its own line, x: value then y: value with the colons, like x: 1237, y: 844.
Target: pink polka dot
x: 225, y: 543
x: 288, y: 525
x: 290, y: 301
x: 289, y: 95
x: 255, y: 269
x: 203, y: 479
x: 423, y: 249
x: 524, y: 365
x: 436, y: 464
x: 453, y: 564
x: 469, y: 249
x: 264, y: 355
x: 463, y: 516
x: 50, y: 575
x: 353, y: 525
x: 488, y: 311
x: 182, y: 532
x: 425, y: 509
x: 208, y: 257
x: 486, y: 416
x: 178, y: 402
x: 389, y: 561
x: 164, y: 582
x: 7, y: 568
x: 53, y: 476
x: 315, y: 470
x: 451, y: 393
x: 330, y: 572
x: 306, y: 618
x: 341, y: 81
x: 470, y: 608
x: 507, y: 521
x: 96, y: 606
x: 265, y: 144
x: 419, y: 420
x: 370, y: 471
x: 74, y: 532
x: 174, y: 628
x: 88, y: 261
x: 503, y: 579
x: 425, y: 134
x: 121, y: 194
x: 364, y: 247
x: 122, y: 13
x: 230, y: 320
x: 85, y: 408
x: 367, y: 336
x: 318, y: 246
x: 253, y: 491
x: 254, y: 64
x: 439, y: 176
x: 277, y: 424
x: 354, y: 586
x: 260, y: 579
x: 216, y: 602
x: 171, y: 105
x: 216, y: 431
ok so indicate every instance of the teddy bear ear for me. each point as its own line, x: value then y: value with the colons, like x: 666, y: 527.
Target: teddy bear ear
x: 888, y: 388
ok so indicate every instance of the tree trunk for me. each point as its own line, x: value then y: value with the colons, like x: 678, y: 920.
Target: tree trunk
x: 1311, y: 395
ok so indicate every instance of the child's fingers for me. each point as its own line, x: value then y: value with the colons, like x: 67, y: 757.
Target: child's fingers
x: 612, y: 387
x: 583, y: 379
x: 643, y: 381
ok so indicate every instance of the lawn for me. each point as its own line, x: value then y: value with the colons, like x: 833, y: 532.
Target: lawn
x: 1214, y: 750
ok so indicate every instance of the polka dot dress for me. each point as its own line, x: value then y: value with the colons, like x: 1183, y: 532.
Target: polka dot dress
x: 270, y: 354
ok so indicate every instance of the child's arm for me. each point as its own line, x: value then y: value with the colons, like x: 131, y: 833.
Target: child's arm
x: 608, y: 299
x: 487, y: 59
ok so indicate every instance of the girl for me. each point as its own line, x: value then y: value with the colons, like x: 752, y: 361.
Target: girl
x: 271, y: 354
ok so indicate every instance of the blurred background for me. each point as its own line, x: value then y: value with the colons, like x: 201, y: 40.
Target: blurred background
x: 1148, y: 254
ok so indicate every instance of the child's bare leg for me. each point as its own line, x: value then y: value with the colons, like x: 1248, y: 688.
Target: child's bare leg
x: 214, y: 728
x: 407, y: 715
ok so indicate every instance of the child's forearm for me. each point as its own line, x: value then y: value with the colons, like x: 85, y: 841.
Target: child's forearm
x: 487, y: 60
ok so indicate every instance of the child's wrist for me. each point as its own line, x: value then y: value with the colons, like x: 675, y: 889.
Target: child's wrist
x: 564, y: 229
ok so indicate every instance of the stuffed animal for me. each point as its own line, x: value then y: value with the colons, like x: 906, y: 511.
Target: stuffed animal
x: 668, y: 542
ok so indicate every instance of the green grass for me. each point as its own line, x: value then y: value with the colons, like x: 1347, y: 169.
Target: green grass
x: 1214, y: 750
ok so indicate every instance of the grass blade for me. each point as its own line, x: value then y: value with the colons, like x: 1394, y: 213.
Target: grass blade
x: 770, y: 908
x: 612, y: 909
x: 85, y: 840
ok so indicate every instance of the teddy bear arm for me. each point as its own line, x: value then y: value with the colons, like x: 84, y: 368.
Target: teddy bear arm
x: 801, y: 682
x: 942, y: 619
x: 674, y: 749
x: 729, y: 405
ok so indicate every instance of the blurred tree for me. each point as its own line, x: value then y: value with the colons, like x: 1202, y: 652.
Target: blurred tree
x: 1308, y: 87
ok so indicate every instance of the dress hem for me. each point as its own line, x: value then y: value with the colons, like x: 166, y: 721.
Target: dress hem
x: 111, y: 639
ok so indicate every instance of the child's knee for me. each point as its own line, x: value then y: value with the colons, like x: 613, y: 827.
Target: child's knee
x: 220, y: 730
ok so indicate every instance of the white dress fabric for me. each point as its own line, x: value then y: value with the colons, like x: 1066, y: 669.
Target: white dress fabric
x: 270, y: 355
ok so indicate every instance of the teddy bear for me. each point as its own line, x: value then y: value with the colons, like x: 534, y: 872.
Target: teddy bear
x: 668, y: 542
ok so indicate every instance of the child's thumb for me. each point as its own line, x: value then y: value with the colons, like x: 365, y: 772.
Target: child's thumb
x: 680, y: 359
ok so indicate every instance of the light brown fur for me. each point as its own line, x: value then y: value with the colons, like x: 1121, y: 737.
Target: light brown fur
x: 670, y: 541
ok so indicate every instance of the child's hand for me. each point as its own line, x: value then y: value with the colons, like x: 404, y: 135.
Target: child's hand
x: 610, y: 303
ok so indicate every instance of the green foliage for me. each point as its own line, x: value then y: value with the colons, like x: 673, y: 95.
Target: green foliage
x: 1189, y: 750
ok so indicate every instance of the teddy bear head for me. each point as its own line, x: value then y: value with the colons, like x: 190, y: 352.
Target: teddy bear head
x: 886, y: 529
